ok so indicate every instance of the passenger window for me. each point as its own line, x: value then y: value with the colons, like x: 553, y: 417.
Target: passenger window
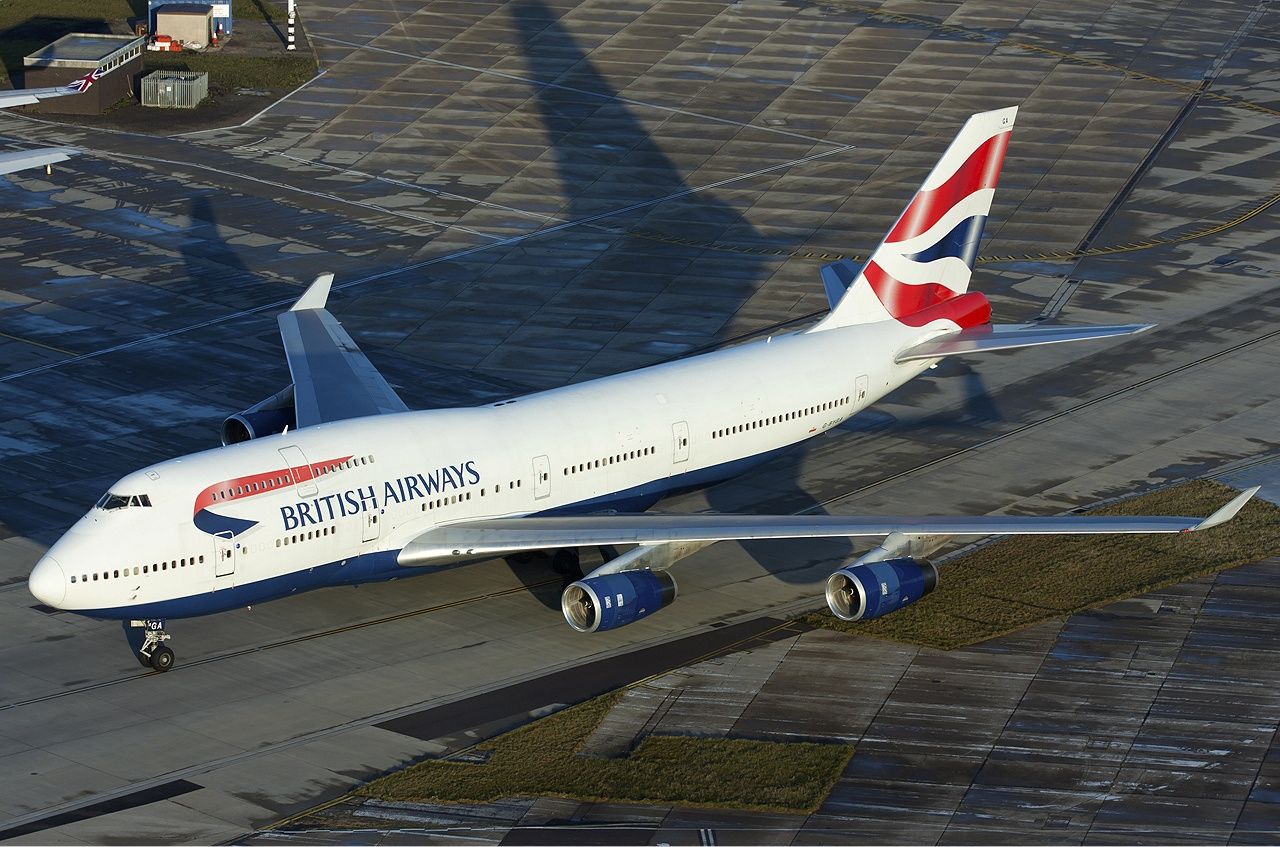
x: 116, y: 574
x: 135, y: 570
x: 95, y: 577
x: 73, y: 579
x: 144, y: 569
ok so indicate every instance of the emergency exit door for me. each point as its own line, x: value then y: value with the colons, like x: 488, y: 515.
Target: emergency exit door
x: 541, y: 477
x: 679, y: 442
x: 224, y: 555
x: 300, y: 469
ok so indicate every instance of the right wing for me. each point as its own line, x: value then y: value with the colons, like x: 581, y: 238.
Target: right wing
x: 332, y: 379
x: 510, y: 535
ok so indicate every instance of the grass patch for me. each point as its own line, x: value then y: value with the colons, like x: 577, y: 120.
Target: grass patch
x: 257, y: 10
x: 228, y: 71
x: 541, y: 760
x: 13, y: 12
x: 1022, y: 580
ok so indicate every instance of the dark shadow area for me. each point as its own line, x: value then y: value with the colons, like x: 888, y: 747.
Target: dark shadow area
x: 268, y: 12
x: 545, y: 578
x: 205, y: 255
x: 21, y: 40
x: 595, y: 138
x: 606, y: 159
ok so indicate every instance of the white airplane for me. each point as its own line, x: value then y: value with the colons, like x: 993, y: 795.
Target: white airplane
x: 42, y: 156
x: 333, y: 481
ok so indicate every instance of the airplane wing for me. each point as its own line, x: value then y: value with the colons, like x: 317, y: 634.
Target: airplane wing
x: 31, y: 96
x: 332, y: 379
x: 37, y: 158
x: 509, y: 535
x: 985, y: 339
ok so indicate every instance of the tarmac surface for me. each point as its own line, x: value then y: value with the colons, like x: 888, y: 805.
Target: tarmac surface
x: 515, y: 195
x: 1150, y: 720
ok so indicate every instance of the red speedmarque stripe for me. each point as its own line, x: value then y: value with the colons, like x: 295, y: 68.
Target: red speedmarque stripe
x: 980, y: 170
x: 207, y: 497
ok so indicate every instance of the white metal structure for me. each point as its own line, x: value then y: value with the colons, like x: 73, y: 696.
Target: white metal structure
x: 334, y: 481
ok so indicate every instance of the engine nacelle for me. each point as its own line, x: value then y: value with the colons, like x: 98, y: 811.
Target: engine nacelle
x: 270, y: 417
x: 607, y: 602
x: 865, y: 591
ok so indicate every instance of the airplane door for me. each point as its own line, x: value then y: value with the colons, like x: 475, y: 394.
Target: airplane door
x: 224, y: 555
x: 301, y: 470
x: 680, y: 442
x: 372, y: 525
x: 541, y: 477
x: 861, y: 390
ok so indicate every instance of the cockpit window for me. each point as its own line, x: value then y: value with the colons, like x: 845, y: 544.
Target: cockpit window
x: 111, y: 500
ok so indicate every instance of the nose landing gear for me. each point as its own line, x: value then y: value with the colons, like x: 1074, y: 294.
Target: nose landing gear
x: 146, y: 639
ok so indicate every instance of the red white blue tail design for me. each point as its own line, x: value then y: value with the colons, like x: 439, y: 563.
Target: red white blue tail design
x: 920, y: 272
x: 82, y: 84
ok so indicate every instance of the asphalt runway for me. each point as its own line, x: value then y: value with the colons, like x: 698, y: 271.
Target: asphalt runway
x: 514, y: 196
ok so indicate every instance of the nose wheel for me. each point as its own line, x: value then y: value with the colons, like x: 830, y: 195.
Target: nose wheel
x: 147, y: 640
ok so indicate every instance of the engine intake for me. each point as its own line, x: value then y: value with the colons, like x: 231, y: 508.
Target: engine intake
x: 866, y: 591
x: 269, y: 417
x: 607, y: 602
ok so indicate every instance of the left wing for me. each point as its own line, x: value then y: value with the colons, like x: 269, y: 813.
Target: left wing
x: 509, y: 535
x: 38, y: 158
x: 332, y: 378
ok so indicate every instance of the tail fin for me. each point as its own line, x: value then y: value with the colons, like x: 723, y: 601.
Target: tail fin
x: 921, y: 271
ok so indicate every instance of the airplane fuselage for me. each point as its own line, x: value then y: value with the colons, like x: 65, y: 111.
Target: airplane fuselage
x: 335, y: 503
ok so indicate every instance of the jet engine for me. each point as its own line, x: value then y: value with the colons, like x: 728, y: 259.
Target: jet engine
x: 270, y: 417
x: 600, y: 603
x: 860, y: 592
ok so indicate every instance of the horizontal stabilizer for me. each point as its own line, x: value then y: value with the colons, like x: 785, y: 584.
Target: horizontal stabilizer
x: 985, y: 339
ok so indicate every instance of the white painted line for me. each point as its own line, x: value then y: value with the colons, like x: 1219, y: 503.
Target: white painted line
x: 256, y: 116
x: 319, y: 194
x: 457, y: 254
x: 427, y: 189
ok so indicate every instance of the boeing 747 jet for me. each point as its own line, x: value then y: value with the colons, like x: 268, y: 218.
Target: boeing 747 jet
x: 334, y: 481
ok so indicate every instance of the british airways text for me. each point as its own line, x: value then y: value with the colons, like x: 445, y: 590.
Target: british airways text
x: 401, y: 490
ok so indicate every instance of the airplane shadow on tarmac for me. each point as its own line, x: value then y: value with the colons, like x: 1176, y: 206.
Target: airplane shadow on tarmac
x: 590, y: 133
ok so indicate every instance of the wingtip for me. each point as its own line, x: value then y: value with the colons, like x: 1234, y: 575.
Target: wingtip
x: 1228, y: 510
x: 317, y: 294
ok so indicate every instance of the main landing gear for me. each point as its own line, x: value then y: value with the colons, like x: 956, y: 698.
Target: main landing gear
x: 146, y: 638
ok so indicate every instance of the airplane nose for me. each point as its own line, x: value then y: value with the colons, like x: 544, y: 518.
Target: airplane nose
x: 47, y: 582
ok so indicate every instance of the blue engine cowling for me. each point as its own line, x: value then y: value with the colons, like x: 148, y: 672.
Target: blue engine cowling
x: 863, y: 592
x: 617, y: 599
x: 269, y: 417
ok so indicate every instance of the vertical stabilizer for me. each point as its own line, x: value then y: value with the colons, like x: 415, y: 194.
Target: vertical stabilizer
x: 921, y: 271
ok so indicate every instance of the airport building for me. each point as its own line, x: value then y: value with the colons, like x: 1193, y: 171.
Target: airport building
x: 189, y: 22
x: 76, y: 54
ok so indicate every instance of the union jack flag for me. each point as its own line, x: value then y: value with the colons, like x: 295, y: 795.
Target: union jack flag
x: 84, y: 83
